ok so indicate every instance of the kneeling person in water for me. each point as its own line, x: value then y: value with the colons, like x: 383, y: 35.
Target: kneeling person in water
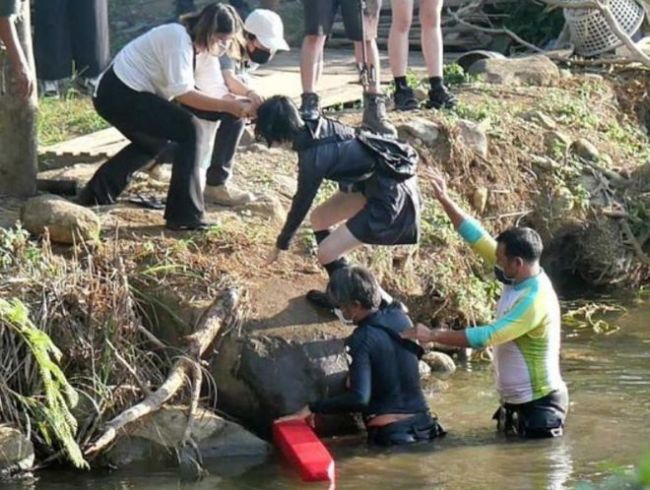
x: 384, y: 380
x: 372, y: 205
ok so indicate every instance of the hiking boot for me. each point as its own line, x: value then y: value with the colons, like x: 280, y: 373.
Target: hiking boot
x: 320, y: 299
x: 310, y: 107
x: 405, y: 100
x: 441, y: 98
x: 227, y: 195
x: 374, y: 115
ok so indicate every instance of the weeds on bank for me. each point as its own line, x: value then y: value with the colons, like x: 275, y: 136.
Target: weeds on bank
x: 66, y: 118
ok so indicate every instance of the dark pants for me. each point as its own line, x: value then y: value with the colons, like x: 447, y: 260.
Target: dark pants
x: 226, y: 141
x: 150, y: 123
x: 70, y: 32
x: 538, y: 419
x: 420, y: 427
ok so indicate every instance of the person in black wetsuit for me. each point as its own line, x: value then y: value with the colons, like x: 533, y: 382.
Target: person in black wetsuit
x: 384, y: 380
x: 371, y: 206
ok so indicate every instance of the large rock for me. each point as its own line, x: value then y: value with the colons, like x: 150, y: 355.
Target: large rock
x: 66, y: 222
x: 441, y: 365
x: 530, y: 70
x: 16, y: 451
x: 425, y: 131
x: 473, y: 136
x: 155, y: 438
x: 287, y: 355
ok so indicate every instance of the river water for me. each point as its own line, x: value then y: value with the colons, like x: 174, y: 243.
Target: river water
x: 609, y: 427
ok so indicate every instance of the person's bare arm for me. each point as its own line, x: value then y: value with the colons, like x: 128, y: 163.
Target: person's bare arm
x: 22, y: 73
x: 237, y: 87
x: 203, y: 102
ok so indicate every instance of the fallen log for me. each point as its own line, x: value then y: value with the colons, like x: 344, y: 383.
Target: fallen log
x: 222, y: 312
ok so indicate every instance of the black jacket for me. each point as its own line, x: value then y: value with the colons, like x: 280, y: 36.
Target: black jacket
x: 384, y: 374
x: 329, y: 150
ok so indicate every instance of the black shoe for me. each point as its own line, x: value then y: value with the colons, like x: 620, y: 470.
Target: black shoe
x: 198, y: 226
x: 441, y: 98
x: 310, y: 107
x: 405, y: 100
x: 320, y: 299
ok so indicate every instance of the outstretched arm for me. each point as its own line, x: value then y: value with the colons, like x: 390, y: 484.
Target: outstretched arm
x: 470, y: 229
x: 22, y: 73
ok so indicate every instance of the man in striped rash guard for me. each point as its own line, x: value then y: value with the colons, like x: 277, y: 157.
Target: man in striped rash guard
x: 526, y: 333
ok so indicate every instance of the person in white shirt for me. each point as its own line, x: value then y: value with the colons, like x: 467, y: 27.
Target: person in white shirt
x: 149, y: 93
x: 227, y: 77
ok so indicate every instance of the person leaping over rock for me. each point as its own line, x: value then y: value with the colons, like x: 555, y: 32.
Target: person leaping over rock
x: 378, y: 199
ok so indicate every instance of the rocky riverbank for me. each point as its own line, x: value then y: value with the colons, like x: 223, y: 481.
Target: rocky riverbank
x: 123, y: 305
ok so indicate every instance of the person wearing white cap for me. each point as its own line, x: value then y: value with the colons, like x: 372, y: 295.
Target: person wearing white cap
x: 225, y: 77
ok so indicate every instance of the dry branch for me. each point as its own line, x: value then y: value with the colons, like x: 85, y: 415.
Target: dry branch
x: 223, y: 311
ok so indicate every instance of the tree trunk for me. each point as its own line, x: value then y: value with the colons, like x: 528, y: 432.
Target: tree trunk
x: 18, y: 150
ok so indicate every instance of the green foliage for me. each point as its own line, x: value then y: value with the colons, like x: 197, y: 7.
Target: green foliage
x: 50, y: 410
x: 531, y: 21
x: 16, y: 248
x: 621, y: 477
x: 62, y: 119
x: 454, y: 74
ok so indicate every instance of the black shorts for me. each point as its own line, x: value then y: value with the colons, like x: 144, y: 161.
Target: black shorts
x: 541, y: 418
x: 320, y: 14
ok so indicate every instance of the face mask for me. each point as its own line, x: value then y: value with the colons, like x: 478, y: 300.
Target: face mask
x: 501, y: 276
x: 259, y: 56
x: 339, y: 315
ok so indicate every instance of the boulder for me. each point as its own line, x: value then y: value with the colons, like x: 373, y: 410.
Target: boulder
x: 16, y: 451
x: 266, y: 206
x: 288, y: 354
x: 529, y: 70
x: 65, y: 221
x: 440, y: 364
x: 155, y: 438
x: 585, y: 149
x: 426, y: 131
x: 473, y: 137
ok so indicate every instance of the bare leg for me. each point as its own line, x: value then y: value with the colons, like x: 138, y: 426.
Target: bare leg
x: 336, y: 245
x: 338, y: 208
x: 311, y: 59
x: 398, y: 39
x: 430, y: 11
x: 372, y: 52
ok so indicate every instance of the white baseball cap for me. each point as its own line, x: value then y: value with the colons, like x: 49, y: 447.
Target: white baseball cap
x: 267, y: 27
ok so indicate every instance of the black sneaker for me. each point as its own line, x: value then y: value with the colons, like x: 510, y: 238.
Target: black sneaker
x: 405, y: 100
x: 441, y: 98
x: 320, y: 299
x: 310, y: 107
x: 198, y: 226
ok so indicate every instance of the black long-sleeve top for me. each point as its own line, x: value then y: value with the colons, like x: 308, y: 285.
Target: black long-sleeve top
x: 384, y: 375
x: 326, y: 150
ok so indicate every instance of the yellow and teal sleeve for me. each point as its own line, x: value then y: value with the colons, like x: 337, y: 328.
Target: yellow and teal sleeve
x: 521, y: 319
x: 479, y: 239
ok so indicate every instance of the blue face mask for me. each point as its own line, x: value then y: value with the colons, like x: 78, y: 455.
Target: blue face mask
x: 501, y: 276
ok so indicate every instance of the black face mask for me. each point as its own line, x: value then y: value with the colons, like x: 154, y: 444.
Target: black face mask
x: 259, y: 56
x: 501, y: 276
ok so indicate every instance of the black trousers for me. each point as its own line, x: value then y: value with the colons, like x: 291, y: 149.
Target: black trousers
x: 538, y: 419
x: 226, y: 141
x: 70, y: 34
x: 150, y: 123
x: 419, y: 427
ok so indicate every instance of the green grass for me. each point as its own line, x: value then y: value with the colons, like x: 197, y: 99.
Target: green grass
x: 66, y: 118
